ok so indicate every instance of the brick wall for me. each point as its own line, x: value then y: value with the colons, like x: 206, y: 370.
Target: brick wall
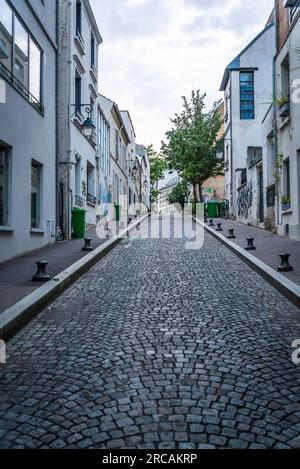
x: 283, y: 23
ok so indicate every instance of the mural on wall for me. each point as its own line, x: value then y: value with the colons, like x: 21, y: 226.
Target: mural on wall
x: 245, y: 201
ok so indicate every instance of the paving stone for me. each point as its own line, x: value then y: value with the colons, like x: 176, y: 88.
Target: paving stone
x: 144, y: 352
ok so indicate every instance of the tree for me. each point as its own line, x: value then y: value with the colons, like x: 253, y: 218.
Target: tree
x: 192, y: 143
x: 179, y: 193
x: 157, y: 167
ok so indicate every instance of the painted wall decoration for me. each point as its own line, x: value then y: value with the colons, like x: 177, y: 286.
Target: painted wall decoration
x: 245, y: 201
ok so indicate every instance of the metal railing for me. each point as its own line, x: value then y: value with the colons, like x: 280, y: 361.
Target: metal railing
x: 78, y: 201
x: 12, y: 80
x: 91, y: 199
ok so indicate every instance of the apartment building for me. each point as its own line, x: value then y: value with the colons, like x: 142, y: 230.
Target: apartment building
x: 287, y: 117
x: 248, y: 139
x: 78, y: 44
x: 27, y: 125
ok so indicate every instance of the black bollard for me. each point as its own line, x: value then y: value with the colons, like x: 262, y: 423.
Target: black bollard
x: 219, y: 225
x: 87, y: 245
x: 250, y: 246
x: 211, y: 223
x: 205, y: 218
x: 41, y: 274
x: 231, y: 234
x: 285, y: 265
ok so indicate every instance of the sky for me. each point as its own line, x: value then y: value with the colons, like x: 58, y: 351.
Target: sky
x: 156, y: 51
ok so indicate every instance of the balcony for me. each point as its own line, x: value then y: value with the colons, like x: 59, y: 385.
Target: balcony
x: 91, y: 200
x: 20, y: 88
x: 78, y: 201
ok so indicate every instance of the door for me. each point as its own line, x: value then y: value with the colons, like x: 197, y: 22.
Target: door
x: 261, y: 195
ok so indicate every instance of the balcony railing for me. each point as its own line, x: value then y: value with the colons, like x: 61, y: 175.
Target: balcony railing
x: 12, y: 80
x: 78, y: 201
x: 91, y: 199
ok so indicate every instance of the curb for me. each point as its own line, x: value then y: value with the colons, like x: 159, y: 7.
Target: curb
x: 288, y: 288
x: 20, y: 314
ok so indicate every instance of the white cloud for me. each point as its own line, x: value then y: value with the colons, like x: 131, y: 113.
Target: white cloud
x: 155, y: 51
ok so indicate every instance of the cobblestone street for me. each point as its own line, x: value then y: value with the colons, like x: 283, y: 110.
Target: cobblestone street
x: 156, y: 347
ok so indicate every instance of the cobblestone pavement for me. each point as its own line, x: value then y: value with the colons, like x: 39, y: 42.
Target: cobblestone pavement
x: 156, y: 347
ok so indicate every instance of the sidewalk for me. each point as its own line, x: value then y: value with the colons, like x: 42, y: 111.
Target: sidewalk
x: 16, y: 274
x: 268, y: 245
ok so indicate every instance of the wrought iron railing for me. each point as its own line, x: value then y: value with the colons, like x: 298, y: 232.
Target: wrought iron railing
x: 10, y: 78
x: 78, y: 201
x: 91, y: 199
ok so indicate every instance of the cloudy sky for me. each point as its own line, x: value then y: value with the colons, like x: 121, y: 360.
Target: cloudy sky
x: 155, y: 51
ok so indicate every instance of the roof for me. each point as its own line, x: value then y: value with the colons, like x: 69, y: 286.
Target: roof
x: 236, y: 63
x: 93, y: 21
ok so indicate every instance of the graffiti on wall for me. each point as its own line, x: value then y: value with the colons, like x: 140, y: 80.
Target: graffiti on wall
x: 245, y: 200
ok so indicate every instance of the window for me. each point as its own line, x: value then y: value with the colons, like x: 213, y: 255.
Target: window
x: 243, y: 177
x: 117, y: 145
x: 4, y: 187
x: 287, y: 178
x: 285, y: 78
x: 247, y: 95
x: 78, y: 93
x: 6, y: 17
x: 19, y: 55
x: 36, y: 174
x: 78, y: 18
x: 34, y: 70
x: 93, y: 54
x: 78, y: 186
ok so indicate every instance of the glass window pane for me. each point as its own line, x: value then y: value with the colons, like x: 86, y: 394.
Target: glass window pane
x: 35, y: 71
x: 246, y: 76
x: 35, y: 196
x: 5, y: 34
x: 4, y: 177
x: 21, y: 53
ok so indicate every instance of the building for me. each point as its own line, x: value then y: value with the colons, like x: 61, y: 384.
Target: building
x: 287, y: 117
x: 165, y: 186
x: 27, y: 126
x: 144, y: 165
x: 132, y: 166
x: 214, y: 188
x: 77, y: 87
x: 119, y: 142
x: 249, y: 151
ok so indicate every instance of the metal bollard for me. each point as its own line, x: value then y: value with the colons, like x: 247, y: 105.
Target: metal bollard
x: 250, y: 246
x: 211, y: 223
x: 205, y: 218
x: 285, y: 266
x: 41, y: 274
x: 219, y: 225
x: 231, y: 234
x: 87, y: 245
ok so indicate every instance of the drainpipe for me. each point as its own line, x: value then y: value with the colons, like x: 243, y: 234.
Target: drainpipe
x: 277, y: 193
x: 57, y: 197
x: 69, y: 164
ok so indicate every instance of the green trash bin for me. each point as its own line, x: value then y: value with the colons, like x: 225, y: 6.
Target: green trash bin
x: 78, y: 222
x: 212, y: 209
x: 118, y: 212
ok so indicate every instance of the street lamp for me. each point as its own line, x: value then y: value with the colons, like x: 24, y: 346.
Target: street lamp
x: 88, y: 127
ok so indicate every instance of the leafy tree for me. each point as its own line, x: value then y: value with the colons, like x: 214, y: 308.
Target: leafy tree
x: 192, y: 143
x: 157, y: 167
x: 179, y: 193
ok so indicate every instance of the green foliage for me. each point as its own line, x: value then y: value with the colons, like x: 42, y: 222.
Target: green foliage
x: 179, y: 193
x: 280, y: 99
x: 192, y: 144
x: 157, y: 167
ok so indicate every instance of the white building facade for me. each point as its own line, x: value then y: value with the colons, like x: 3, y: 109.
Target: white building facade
x: 287, y: 74
x: 249, y: 151
x: 77, y: 91
x: 27, y: 126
